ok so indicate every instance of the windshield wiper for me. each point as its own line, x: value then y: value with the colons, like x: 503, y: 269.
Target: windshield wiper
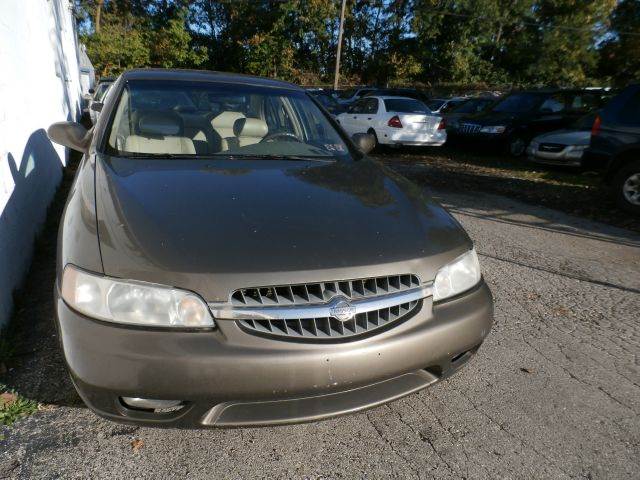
x: 159, y: 155
x: 279, y: 157
x: 227, y: 156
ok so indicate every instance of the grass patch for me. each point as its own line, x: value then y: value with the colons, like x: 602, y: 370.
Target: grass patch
x: 13, y: 406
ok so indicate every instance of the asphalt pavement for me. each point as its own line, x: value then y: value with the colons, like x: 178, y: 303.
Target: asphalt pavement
x: 553, y: 393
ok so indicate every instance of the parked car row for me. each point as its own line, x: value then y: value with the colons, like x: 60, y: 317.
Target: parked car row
x: 516, y: 119
x: 98, y: 96
x: 587, y: 128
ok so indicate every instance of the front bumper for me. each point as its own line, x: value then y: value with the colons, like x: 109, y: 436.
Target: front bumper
x: 227, y: 377
x: 560, y: 158
x: 554, y: 159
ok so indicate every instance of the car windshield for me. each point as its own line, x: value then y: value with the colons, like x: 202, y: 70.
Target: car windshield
x: 346, y: 94
x: 519, y: 103
x: 585, y: 122
x: 473, y: 106
x: 100, y: 91
x: 326, y: 100
x: 405, y: 105
x: 199, y: 119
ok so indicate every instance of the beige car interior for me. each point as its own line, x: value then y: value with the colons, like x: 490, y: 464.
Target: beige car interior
x: 159, y: 132
x: 191, y: 133
x: 250, y: 131
x: 236, y: 130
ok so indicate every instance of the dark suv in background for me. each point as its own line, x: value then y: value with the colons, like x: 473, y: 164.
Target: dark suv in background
x: 615, y: 147
x: 520, y: 116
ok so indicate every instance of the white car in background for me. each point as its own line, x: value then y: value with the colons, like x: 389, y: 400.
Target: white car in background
x: 394, y: 121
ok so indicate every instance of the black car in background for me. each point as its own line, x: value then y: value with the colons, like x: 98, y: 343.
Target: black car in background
x: 520, y: 116
x: 615, y: 147
x: 467, y: 109
x: 328, y: 101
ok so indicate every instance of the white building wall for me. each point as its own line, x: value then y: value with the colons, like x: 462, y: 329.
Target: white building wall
x: 39, y: 85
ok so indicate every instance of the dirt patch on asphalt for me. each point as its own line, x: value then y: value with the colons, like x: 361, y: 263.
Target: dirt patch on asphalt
x: 570, y: 191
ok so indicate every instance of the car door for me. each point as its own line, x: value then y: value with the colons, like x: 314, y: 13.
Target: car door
x: 550, y: 115
x: 350, y: 119
x: 366, y: 118
x: 579, y: 104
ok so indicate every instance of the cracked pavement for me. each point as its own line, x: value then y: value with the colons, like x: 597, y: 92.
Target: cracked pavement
x: 553, y: 393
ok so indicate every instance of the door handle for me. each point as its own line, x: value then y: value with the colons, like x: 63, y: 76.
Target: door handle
x: 355, y: 118
x: 368, y: 118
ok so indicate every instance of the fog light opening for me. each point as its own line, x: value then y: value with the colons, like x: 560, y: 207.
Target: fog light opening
x: 149, y: 404
x: 459, y: 356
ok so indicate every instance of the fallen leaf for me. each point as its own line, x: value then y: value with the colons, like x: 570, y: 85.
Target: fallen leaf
x: 527, y: 370
x: 136, y: 445
x: 7, y: 398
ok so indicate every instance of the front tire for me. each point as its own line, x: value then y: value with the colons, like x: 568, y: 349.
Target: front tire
x: 626, y: 187
x: 517, y: 146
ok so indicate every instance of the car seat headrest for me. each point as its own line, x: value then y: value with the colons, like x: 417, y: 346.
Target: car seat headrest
x: 160, y: 123
x: 250, y: 127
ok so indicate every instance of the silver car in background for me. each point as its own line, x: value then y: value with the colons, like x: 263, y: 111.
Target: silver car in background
x: 562, y: 147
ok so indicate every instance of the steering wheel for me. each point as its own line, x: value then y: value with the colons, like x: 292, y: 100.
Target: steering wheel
x: 284, y: 135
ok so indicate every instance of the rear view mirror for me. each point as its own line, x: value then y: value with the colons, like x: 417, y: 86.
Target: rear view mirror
x: 97, y: 106
x: 70, y: 134
x: 364, y: 141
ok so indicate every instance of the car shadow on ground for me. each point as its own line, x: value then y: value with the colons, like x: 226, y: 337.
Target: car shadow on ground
x: 35, y: 368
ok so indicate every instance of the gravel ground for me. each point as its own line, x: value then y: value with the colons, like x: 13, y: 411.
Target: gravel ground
x: 553, y: 393
x: 584, y: 194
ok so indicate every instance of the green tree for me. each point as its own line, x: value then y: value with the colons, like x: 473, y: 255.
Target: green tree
x: 566, y: 49
x: 120, y: 45
x: 620, y: 51
x: 170, y: 45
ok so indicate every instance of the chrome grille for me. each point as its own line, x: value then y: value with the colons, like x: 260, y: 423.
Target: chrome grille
x: 329, y: 327
x: 551, y: 147
x: 324, y: 310
x: 469, y: 128
x: 321, y: 292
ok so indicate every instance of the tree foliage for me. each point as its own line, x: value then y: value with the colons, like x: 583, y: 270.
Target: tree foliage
x: 527, y: 42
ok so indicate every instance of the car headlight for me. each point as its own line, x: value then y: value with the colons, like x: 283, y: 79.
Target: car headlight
x: 132, y: 302
x: 457, y: 277
x: 493, y: 129
x: 576, y: 151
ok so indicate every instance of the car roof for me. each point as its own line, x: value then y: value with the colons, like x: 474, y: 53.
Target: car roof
x: 205, y: 76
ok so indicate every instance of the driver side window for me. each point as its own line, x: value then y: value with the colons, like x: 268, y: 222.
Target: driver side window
x: 553, y: 104
x: 357, y: 107
x: 276, y: 116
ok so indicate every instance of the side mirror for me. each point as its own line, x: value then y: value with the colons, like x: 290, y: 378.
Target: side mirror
x: 70, y: 134
x: 97, y: 106
x: 364, y: 141
x: 92, y: 91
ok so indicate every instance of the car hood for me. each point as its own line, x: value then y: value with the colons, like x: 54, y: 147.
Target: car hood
x: 565, y: 137
x: 215, y: 226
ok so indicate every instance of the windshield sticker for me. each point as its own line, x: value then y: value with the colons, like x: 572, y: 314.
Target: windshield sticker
x: 334, y: 147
